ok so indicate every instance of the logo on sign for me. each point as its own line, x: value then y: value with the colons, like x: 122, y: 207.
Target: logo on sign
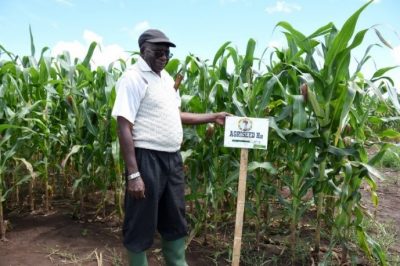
x: 245, y: 124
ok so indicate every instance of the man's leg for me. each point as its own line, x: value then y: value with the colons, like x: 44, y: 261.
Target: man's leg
x: 171, y: 213
x: 140, y: 220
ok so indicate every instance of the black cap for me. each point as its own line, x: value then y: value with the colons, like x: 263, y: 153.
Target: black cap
x: 154, y: 36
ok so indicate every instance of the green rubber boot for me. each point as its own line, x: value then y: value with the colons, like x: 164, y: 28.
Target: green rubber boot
x: 174, y: 252
x: 137, y: 259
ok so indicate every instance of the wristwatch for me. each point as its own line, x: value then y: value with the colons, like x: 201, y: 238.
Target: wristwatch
x: 133, y: 176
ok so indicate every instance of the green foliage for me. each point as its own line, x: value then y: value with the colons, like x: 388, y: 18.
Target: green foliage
x: 391, y: 159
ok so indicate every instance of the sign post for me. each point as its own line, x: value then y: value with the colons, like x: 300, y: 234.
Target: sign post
x: 245, y: 133
x: 241, y: 199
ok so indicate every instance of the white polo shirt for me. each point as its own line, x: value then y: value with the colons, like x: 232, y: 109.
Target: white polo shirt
x: 151, y: 104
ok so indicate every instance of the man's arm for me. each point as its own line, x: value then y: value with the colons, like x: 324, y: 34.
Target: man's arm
x: 136, y: 186
x: 195, y: 119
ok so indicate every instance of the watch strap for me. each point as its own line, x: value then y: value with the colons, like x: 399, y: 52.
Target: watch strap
x: 133, y: 176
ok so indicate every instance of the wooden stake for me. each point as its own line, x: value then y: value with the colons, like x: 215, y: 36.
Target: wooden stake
x: 241, y: 199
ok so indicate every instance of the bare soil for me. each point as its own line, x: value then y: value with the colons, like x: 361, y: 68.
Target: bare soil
x: 59, y: 239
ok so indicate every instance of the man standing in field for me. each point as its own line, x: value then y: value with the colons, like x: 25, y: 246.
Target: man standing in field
x: 147, y: 108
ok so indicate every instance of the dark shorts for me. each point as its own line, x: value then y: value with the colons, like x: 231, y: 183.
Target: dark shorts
x: 163, y: 209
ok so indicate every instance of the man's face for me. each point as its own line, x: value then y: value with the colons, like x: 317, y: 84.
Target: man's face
x: 156, y: 56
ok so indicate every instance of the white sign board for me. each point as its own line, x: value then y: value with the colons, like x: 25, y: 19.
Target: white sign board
x: 246, y: 132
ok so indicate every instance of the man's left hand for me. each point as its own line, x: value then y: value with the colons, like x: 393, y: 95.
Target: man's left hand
x: 220, y: 117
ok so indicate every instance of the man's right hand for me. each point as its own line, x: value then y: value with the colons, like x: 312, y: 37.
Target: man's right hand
x: 136, y: 188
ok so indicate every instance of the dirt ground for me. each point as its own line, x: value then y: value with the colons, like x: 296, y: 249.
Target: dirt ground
x: 57, y: 239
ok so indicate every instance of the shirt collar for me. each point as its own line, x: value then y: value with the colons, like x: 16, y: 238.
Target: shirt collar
x: 143, y: 65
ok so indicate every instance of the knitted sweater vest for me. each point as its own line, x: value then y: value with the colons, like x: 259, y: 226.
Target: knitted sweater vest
x: 158, y: 124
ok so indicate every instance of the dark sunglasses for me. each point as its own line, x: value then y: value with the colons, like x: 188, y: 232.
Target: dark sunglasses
x: 160, y: 53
